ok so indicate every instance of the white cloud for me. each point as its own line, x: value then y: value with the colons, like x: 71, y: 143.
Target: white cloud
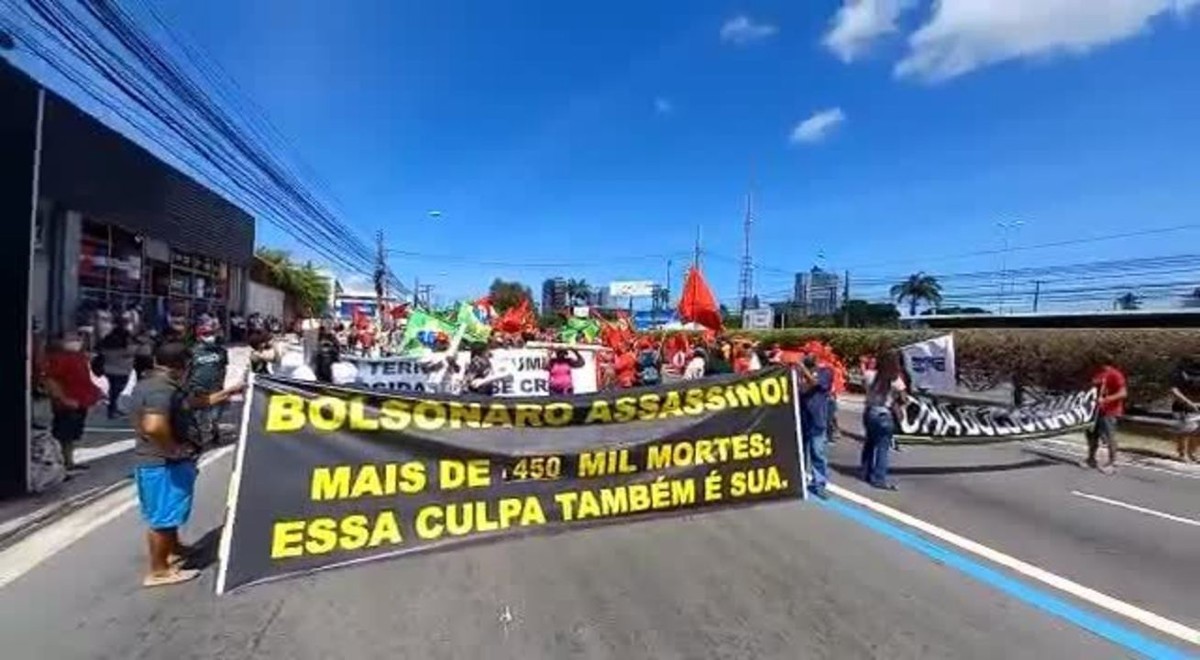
x: 859, y: 23
x: 663, y: 106
x: 963, y: 35
x: 742, y: 30
x: 818, y: 126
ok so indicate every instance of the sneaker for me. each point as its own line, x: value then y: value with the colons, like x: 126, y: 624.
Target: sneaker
x: 172, y: 576
x: 885, y: 486
x: 819, y: 492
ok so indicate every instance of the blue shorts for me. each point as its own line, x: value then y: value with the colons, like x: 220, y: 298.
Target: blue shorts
x: 165, y: 493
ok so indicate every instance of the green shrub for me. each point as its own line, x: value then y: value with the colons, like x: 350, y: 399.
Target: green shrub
x: 1049, y: 359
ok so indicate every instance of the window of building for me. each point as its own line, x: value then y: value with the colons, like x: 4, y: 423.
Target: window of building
x: 121, y: 279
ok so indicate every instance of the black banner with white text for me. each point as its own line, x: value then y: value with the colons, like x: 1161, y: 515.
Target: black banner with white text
x: 329, y: 476
x: 929, y: 418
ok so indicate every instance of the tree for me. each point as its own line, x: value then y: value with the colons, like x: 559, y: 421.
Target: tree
x: 865, y: 314
x: 506, y: 295
x: 303, y: 283
x: 1128, y: 301
x: 578, y: 291
x: 918, y: 288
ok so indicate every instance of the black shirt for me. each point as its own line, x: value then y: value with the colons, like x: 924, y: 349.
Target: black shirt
x: 157, y: 393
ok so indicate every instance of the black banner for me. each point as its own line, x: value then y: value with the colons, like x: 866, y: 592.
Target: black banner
x: 930, y: 419
x: 329, y: 476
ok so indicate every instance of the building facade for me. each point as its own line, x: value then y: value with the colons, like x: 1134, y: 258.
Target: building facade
x: 554, y: 294
x: 818, y: 292
x: 106, y: 233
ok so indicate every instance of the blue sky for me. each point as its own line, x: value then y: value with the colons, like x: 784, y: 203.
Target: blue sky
x: 603, y: 134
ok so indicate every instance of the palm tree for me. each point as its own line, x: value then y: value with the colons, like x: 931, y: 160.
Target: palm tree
x: 918, y: 288
x: 578, y: 290
x: 1128, y: 301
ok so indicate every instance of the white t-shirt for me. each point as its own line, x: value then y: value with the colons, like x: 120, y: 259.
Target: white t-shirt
x: 878, y: 399
x: 694, y: 369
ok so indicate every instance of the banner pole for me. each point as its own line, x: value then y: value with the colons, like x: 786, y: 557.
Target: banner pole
x: 235, y: 482
x: 799, y: 436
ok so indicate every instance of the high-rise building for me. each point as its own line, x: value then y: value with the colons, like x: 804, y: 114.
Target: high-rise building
x: 554, y: 294
x: 818, y: 292
x: 598, y: 297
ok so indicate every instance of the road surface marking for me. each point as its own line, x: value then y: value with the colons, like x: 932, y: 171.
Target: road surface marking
x: 89, y: 454
x: 1120, y: 463
x: 1044, y: 601
x: 24, y: 555
x: 1139, y: 509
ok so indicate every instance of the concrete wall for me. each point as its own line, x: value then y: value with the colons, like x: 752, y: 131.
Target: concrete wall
x: 264, y: 300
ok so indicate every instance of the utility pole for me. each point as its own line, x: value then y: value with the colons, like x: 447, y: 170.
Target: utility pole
x: 696, y: 254
x: 416, y: 292
x: 746, y: 276
x: 846, y: 299
x: 1037, y: 293
x: 380, y: 274
x: 667, y: 287
x: 1005, y: 227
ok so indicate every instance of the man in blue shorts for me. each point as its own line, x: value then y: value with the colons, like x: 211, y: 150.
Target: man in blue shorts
x: 166, y: 458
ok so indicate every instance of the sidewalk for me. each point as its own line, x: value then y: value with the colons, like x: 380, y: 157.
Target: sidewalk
x: 107, y: 450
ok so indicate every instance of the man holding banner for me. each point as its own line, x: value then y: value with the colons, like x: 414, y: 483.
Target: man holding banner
x: 816, y: 384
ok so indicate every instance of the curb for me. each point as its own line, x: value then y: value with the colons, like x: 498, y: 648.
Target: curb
x: 13, y: 531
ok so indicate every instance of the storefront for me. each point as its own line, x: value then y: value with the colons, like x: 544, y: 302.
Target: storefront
x: 143, y: 283
x: 116, y: 236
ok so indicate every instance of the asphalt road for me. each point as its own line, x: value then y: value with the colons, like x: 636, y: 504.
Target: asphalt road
x: 793, y: 580
x: 1023, y: 503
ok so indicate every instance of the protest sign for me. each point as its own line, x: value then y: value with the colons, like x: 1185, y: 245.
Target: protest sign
x: 530, y: 374
x: 927, y: 418
x: 930, y: 364
x: 330, y: 476
x: 407, y: 374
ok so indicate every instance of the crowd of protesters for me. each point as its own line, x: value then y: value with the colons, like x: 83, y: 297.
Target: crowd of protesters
x: 180, y: 396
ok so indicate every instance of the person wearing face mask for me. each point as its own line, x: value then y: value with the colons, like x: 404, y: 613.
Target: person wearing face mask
x: 816, y: 383
x: 68, y: 380
x: 205, y: 375
x: 166, y: 452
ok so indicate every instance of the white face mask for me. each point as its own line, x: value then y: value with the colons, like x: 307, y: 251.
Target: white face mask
x: 72, y: 346
x: 209, y: 339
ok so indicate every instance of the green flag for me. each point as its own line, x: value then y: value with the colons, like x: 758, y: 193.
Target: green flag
x: 577, y: 329
x: 474, y: 330
x: 421, y: 325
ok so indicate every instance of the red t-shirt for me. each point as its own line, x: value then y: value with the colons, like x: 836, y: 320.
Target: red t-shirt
x: 72, y: 372
x: 626, y: 368
x: 1110, y: 380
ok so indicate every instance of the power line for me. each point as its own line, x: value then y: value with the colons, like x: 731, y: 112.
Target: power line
x: 225, y: 148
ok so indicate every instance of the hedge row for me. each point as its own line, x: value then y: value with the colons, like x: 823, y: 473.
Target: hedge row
x: 1042, y: 358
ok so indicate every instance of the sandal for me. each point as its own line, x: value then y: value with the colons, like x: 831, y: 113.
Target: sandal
x: 172, y: 576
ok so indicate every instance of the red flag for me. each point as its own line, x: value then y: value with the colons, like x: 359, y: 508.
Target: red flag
x: 399, y: 311
x: 516, y: 319
x: 360, y: 320
x: 698, y: 304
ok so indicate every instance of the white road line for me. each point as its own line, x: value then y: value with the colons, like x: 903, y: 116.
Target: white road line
x: 1140, y: 509
x: 1072, y: 449
x: 24, y: 555
x: 1144, y: 617
x: 89, y: 454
